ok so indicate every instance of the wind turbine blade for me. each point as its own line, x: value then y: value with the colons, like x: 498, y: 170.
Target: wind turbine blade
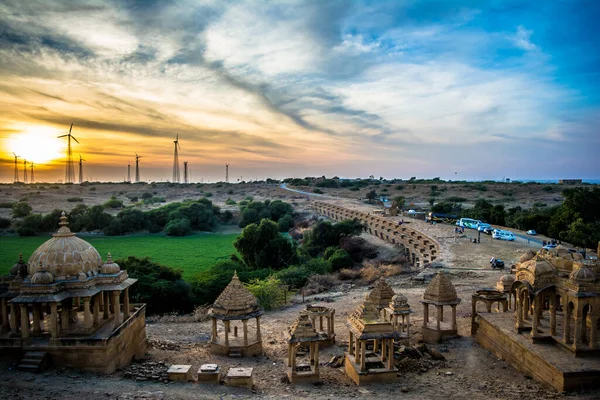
x: 73, y: 137
x: 70, y: 128
x: 62, y: 136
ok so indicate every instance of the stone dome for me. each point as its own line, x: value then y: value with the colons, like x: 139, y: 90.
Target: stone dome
x: 399, y: 300
x: 20, y: 268
x: 110, y: 267
x: 440, y: 289
x: 538, y: 267
x: 528, y: 255
x: 507, y: 279
x: 582, y: 275
x: 42, y: 276
x: 65, y: 255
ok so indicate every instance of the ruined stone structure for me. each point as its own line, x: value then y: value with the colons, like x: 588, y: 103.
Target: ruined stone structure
x: 440, y: 292
x: 327, y: 335
x: 487, y: 297
x: 420, y: 248
x: 557, y: 302
x: 370, y: 356
x: 303, y: 333
x: 233, y: 305
x: 65, y: 302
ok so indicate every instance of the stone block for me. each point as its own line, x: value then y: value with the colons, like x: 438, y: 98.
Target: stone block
x: 209, y: 373
x: 239, y: 377
x: 180, y: 373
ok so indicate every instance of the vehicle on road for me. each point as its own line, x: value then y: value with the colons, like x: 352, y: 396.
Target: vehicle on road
x: 550, y: 246
x: 531, y: 232
x: 481, y: 226
x: 503, y: 235
x: 488, y: 230
x: 468, y: 223
x: 441, y: 217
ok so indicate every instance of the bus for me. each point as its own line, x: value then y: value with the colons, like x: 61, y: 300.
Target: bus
x: 468, y: 223
x: 440, y: 217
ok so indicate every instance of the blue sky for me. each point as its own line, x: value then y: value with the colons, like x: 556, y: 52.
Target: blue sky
x: 457, y: 89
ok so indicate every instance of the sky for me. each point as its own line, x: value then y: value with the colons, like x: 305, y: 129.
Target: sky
x: 455, y: 89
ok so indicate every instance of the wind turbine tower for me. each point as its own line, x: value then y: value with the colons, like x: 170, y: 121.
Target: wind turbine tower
x: 24, y: 171
x: 185, y: 172
x: 176, y: 177
x: 81, y: 160
x: 31, y: 166
x: 70, y: 172
x: 226, y: 173
x: 16, y: 178
x: 128, y: 172
x: 137, y: 167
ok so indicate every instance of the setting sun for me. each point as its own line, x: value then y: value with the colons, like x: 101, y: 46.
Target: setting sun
x: 36, y: 146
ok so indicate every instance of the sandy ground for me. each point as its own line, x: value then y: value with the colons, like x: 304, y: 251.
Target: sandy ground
x: 469, y: 372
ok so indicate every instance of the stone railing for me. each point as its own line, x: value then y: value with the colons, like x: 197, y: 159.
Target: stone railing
x: 421, y: 248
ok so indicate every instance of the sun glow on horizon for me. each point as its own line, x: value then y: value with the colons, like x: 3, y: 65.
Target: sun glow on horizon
x: 37, y: 145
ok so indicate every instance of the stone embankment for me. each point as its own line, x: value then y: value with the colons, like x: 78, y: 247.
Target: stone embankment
x: 421, y: 248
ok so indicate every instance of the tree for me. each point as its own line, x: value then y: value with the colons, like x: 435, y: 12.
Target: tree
x: 262, y: 246
x: 21, y: 209
x: 269, y: 292
x: 371, y: 195
x: 178, y: 227
x: 400, y: 201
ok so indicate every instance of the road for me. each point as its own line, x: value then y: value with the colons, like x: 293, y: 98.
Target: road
x: 325, y: 196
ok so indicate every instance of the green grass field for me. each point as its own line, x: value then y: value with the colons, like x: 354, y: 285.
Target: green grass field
x: 192, y: 254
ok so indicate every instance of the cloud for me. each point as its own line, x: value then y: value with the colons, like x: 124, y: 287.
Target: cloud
x: 522, y: 39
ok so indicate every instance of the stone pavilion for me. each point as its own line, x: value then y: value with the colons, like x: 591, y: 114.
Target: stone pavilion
x: 67, y: 303
x: 381, y: 295
x: 302, y: 333
x: 234, y: 305
x: 398, y: 314
x: 326, y: 331
x: 440, y: 292
x: 370, y: 356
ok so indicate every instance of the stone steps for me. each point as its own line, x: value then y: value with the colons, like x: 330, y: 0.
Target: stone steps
x: 33, y: 361
x: 235, y: 353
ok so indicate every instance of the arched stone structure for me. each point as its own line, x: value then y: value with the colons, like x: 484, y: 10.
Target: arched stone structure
x: 420, y: 248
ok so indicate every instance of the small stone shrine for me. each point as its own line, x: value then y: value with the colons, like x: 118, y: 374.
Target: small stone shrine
x: 240, y: 377
x: 398, y: 314
x: 440, y: 292
x: 234, y: 305
x: 65, y: 302
x: 370, y: 356
x: 303, y: 334
x: 381, y: 295
x: 327, y: 313
x: 209, y: 373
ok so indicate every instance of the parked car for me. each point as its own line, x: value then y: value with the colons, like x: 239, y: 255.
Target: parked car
x: 488, y: 230
x: 503, y: 235
x: 531, y: 232
x: 550, y: 246
x: 482, y: 225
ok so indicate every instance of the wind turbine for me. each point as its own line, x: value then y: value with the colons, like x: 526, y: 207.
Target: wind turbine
x: 31, y: 166
x: 69, y: 173
x: 128, y: 172
x: 16, y: 178
x: 81, y: 160
x: 176, y: 161
x: 137, y: 167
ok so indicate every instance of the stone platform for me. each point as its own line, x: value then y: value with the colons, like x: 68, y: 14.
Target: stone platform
x: 546, y: 362
x: 372, y: 376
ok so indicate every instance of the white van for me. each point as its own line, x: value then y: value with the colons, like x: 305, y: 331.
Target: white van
x: 503, y: 235
x: 468, y: 223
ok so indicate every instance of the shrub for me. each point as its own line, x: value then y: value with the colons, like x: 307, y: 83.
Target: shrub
x: 399, y: 187
x: 286, y: 223
x: 230, y: 202
x: 456, y: 199
x: 21, y: 209
x: 133, y: 199
x: 4, y: 223
x: 30, y: 226
x: 346, y: 274
x: 92, y: 189
x: 340, y: 259
x: 178, y: 227
x: 146, y: 195
x: 319, y: 283
x: 7, y: 204
x: 74, y: 199
x: 208, y: 194
x: 269, y: 292
x: 113, y: 203
x: 318, y: 191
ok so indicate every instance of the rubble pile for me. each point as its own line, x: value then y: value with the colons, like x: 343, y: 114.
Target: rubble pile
x: 419, y: 359
x: 163, y: 345
x: 147, y: 371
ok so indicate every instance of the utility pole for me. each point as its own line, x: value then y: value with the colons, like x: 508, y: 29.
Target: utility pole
x: 81, y: 160
x: 226, y: 173
x: 24, y: 171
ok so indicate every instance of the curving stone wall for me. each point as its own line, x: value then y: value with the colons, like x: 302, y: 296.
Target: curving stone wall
x: 419, y: 247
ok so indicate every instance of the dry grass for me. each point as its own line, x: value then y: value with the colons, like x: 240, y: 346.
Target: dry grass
x: 370, y: 272
x: 349, y: 274
x: 200, y: 314
x: 319, y: 284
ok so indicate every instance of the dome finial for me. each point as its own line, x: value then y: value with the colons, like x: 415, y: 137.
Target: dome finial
x: 109, y: 258
x: 63, y: 219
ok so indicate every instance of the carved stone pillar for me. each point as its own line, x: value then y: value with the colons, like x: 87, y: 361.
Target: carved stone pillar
x: 126, y: 303
x: 96, y: 307
x: 24, y: 321
x: 258, y: 336
x: 106, y: 306
x: 245, y: 323
x: 425, y: 315
x: 363, y: 351
x: 35, y: 313
x: 453, y: 317
x: 390, y: 360
x: 226, y: 333
x: 87, y: 315
x: 53, y: 320
x: 116, y: 307
x: 553, y: 315
x: 437, y: 317
x: 214, y: 330
x: 593, y: 332
x: 350, y: 343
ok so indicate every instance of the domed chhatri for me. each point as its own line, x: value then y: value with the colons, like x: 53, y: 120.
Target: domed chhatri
x: 65, y: 255
x: 381, y: 295
x: 110, y: 267
x: 440, y: 292
x: 233, y: 305
x: 66, y: 292
x: 582, y: 275
x: 42, y: 276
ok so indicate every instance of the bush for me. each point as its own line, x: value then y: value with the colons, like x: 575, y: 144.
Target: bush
x: 319, y: 284
x: 146, y: 195
x: 178, y: 227
x: 318, y: 191
x: 346, y: 274
x: 30, y: 226
x: 269, y: 292
x: 113, y: 203
x: 74, y: 199
x: 160, y: 287
x: 286, y: 223
x: 4, y: 223
x: 230, y: 202
x: 7, y: 204
x: 21, y: 209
